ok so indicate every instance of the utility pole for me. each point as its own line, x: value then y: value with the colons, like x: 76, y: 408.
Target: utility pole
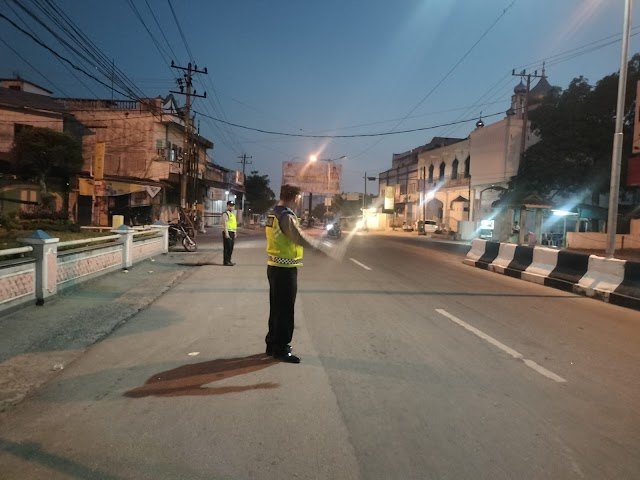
x: 244, y: 163
x: 186, y: 149
x: 523, y: 142
x: 525, y: 113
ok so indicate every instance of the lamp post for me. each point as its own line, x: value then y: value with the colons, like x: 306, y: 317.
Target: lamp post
x: 616, y: 156
x: 364, y: 199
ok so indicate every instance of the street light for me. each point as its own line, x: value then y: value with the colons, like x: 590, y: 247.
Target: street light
x: 616, y: 156
x: 364, y: 218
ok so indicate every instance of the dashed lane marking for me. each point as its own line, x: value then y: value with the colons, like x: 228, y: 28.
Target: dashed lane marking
x: 529, y: 363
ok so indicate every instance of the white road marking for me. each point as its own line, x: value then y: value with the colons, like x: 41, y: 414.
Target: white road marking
x: 530, y: 363
x: 358, y: 263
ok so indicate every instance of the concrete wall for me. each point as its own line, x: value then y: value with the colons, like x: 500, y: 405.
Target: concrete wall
x: 37, y: 276
x: 598, y: 241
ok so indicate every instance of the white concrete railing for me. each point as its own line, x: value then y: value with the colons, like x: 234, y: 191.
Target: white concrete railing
x: 47, y: 270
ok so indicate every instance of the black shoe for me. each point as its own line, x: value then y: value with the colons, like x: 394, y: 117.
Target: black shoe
x: 228, y: 264
x: 287, y: 357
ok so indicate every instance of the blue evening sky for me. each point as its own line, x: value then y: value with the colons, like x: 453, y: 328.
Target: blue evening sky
x: 332, y: 67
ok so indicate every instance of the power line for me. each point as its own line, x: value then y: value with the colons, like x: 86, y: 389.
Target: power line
x: 504, y: 12
x: 175, y: 57
x: 344, y: 136
x: 184, y: 39
x: 74, y: 66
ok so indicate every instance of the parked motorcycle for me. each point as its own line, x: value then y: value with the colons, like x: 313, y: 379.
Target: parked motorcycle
x: 334, y: 230
x: 178, y: 233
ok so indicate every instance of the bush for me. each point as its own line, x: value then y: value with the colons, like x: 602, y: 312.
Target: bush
x: 48, y: 224
x: 41, y: 212
x: 8, y: 221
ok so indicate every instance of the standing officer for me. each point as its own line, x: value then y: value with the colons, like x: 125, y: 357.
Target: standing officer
x: 230, y: 225
x: 284, y: 250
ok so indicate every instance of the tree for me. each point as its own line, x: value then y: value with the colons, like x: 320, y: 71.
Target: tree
x: 45, y: 153
x: 259, y: 195
x: 576, y: 129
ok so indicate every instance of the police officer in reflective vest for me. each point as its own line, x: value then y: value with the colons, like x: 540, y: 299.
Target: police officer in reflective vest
x: 285, y: 242
x: 230, y: 225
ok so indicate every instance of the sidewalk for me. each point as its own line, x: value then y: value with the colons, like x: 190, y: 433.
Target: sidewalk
x: 37, y: 342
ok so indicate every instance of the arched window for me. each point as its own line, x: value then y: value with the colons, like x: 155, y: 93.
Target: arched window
x: 467, y: 167
x: 431, y: 174
x: 442, y: 167
x: 454, y: 169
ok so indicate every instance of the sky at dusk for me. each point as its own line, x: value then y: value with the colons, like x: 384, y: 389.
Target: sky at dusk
x: 331, y: 67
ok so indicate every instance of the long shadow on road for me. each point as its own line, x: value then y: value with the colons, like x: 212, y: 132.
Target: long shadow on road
x: 189, y: 380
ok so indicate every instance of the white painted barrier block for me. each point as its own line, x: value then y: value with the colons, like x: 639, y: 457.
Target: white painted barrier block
x: 505, y: 254
x: 544, y: 261
x: 477, y: 249
x: 604, y: 274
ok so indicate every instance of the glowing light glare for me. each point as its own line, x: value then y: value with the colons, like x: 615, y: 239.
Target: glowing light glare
x: 430, y: 195
x: 563, y: 213
x: 313, y: 158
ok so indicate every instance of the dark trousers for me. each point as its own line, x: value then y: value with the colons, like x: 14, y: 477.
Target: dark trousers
x: 283, y: 287
x: 227, y: 244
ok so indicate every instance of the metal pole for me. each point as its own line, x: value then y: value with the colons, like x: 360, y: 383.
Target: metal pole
x: 364, y: 219
x: 616, y: 157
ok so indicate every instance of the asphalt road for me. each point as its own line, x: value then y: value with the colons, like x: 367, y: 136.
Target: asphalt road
x: 414, y: 366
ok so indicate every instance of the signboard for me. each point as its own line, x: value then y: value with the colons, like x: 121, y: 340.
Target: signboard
x: 389, y: 197
x: 314, y: 177
x: 633, y: 172
x: 108, y: 188
x: 98, y: 163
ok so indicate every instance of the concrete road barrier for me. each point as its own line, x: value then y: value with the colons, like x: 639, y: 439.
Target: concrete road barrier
x: 611, y: 280
x: 543, y: 262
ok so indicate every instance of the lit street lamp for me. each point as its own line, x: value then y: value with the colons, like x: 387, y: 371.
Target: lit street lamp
x: 364, y: 207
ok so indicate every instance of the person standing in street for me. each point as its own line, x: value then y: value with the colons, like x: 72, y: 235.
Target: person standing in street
x: 285, y: 244
x: 230, y: 225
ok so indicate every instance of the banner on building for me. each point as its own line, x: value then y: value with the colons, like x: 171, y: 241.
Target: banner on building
x: 633, y: 172
x: 109, y: 188
x: 98, y: 162
x: 389, y: 197
x: 315, y: 177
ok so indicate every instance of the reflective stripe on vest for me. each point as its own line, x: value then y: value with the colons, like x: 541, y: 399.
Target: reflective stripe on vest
x: 281, y: 251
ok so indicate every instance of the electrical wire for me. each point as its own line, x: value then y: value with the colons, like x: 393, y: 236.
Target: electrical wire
x: 184, y: 39
x: 270, y: 132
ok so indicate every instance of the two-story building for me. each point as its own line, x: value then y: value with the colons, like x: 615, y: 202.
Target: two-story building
x: 405, y: 179
x: 24, y: 105
x: 445, y: 187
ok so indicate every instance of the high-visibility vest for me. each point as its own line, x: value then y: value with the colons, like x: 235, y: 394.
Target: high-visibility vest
x: 281, y: 251
x: 232, y: 223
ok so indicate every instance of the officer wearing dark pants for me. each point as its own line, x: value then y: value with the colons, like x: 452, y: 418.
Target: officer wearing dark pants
x: 230, y: 225
x: 285, y: 244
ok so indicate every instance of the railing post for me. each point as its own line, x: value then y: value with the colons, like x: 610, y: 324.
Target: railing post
x: 164, y: 229
x: 126, y: 239
x: 45, y: 252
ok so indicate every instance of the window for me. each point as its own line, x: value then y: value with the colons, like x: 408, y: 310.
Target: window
x: 467, y: 167
x: 20, y: 127
x: 431, y: 174
x: 442, y: 167
x: 454, y: 169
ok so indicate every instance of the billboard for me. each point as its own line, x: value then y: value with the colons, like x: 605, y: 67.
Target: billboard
x: 98, y: 166
x: 314, y: 177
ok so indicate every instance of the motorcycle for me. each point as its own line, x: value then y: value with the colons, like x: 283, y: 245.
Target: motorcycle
x: 177, y: 233
x: 334, y: 230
